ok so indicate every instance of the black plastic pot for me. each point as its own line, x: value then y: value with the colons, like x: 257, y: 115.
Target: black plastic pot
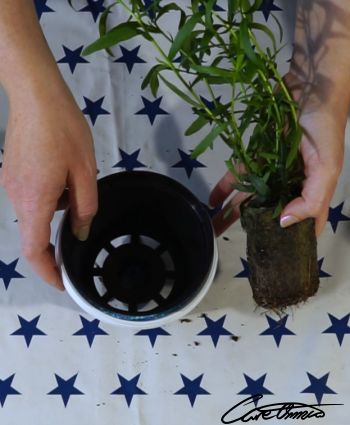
x: 151, y: 254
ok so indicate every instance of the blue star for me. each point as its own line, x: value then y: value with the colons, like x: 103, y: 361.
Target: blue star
x: 94, y: 109
x: 215, y: 329
x: 151, y: 109
x: 129, y: 388
x: 40, y: 7
x: 255, y: 387
x: 7, y: 389
x: 267, y: 7
x: 148, y: 4
x: 90, y: 329
x: 277, y: 328
x: 246, y: 270
x: 95, y: 7
x: 129, y: 161
x: 65, y: 388
x: 335, y: 215
x: 72, y: 57
x: 130, y: 57
x: 318, y: 387
x: 210, y: 104
x: 192, y: 388
x: 153, y: 334
x: 8, y: 272
x: 28, y: 329
x: 321, y: 272
x: 187, y: 163
x: 339, y: 327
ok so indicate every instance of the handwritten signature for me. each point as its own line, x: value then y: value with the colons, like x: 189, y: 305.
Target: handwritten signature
x: 285, y: 410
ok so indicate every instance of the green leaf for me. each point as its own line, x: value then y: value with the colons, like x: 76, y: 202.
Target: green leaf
x: 177, y: 91
x: 154, y: 69
x: 121, y: 32
x: 182, y: 35
x: 208, y: 140
x: 259, y: 184
x: 212, y: 71
x: 197, y: 124
x: 245, y: 43
x: 293, y: 139
x: 102, y: 24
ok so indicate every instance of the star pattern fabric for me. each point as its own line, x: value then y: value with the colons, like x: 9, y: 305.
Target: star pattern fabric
x: 41, y: 7
x: 129, y: 388
x: 267, y: 7
x: 129, y: 161
x: 130, y: 57
x: 72, y: 57
x: 94, y: 109
x: 151, y: 109
x: 255, y: 386
x: 90, y: 329
x: 28, y: 329
x: 7, y: 389
x: 277, y: 328
x: 335, y: 216
x: 187, y: 163
x: 215, y: 329
x: 65, y: 388
x: 246, y: 269
x: 318, y: 387
x: 95, y: 7
x: 192, y: 388
x: 153, y: 334
x: 8, y: 272
x: 339, y: 327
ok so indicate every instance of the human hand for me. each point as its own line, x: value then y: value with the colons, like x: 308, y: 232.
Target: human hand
x: 48, y: 148
x: 322, y: 149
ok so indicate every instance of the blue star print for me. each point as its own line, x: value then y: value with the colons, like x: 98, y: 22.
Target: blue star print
x: 72, y: 57
x: 151, y: 109
x: 65, y: 388
x: 192, y: 388
x: 246, y: 270
x: 28, y: 329
x: 41, y: 7
x: 95, y: 7
x: 94, y: 109
x: 8, y: 272
x: 255, y: 387
x: 129, y: 161
x: 318, y: 387
x: 7, y: 389
x: 215, y: 328
x: 187, y: 163
x: 90, y: 329
x: 267, y: 7
x: 335, y: 216
x: 216, y: 8
x: 153, y: 334
x: 277, y: 328
x: 339, y: 327
x: 129, y: 388
x: 130, y: 57
x: 321, y: 272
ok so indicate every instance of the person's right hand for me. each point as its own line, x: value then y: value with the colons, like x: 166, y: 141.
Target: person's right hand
x: 48, y: 148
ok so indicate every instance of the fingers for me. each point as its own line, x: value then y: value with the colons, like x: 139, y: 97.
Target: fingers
x: 34, y: 219
x: 83, y: 201
x: 229, y: 214
x: 222, y: 189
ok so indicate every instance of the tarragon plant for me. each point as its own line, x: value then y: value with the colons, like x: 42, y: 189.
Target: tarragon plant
x: 214, y: 49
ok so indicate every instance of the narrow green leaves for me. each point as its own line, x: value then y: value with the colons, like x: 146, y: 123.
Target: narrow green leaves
x: 208, y: 140
x: 182, y: 35
x: 121, y: 32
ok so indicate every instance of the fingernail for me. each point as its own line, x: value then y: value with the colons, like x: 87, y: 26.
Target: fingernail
x: 288, y: 220
x: 82, y: 233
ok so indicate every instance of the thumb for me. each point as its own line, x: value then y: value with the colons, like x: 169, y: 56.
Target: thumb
x: 83, y: 204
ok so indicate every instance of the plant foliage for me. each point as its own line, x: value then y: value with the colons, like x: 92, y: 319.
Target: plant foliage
x: 215, y: 49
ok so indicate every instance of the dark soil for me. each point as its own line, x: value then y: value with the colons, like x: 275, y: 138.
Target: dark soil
x: 283, y: 262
